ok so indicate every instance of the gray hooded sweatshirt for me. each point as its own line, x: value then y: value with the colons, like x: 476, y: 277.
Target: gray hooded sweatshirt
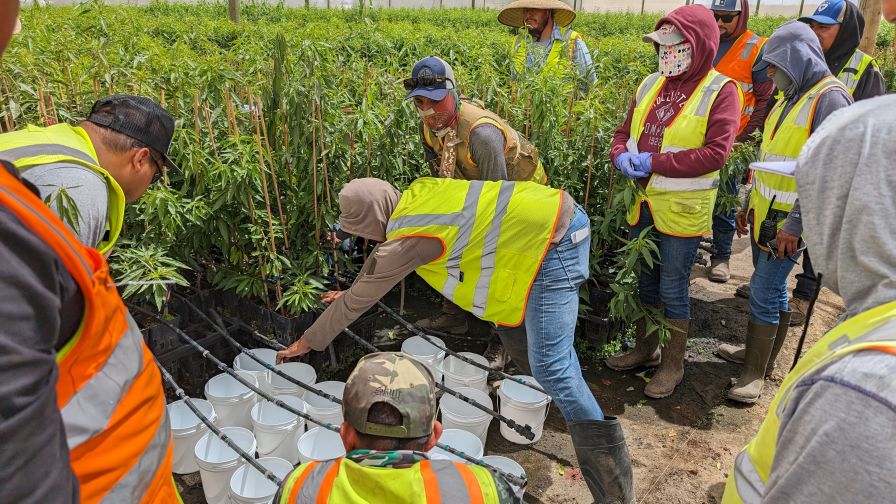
x: 795, y: 50
x: 837, y: 441
x: 366, y: 205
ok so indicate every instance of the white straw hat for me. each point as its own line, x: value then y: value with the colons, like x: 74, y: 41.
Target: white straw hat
x: 514, y: 13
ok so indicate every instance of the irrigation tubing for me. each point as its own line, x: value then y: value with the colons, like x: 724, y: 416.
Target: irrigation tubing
x: 514, y: 479
x: 208, y: 423
x: 799, y: 346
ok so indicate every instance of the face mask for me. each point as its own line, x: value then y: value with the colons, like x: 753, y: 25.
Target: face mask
x: 675, y: 59
x: 784, y: 83
x: 440, y: 117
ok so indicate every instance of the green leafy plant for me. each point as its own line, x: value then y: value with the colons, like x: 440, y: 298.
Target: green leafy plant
x: 146, y: 272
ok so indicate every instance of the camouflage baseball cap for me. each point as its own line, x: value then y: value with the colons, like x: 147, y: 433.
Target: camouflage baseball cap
x: 397, y: 379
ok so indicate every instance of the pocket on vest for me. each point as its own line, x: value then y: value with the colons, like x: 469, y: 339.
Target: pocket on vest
x: 501, y: 287
x: 690, y: 202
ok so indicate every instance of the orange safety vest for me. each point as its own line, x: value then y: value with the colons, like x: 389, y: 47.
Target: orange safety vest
x: 738, y: 63
x: 109, y: 390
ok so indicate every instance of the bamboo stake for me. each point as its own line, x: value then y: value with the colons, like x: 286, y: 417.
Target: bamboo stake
x: 264, y: 181
x: 369, y: 149
x: 211, y: 132
x: 314, y: 177
x: 323, y: 155
x: 52, y: 108
x: 196, y: 126
x: 42, y: 106
x: 267, y: 143
x: 96, y: 89
x: 590, y: 169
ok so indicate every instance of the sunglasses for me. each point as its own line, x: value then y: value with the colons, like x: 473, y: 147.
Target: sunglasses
x: 726, y: 18
x: 425, y: 81
x: 158, y: 174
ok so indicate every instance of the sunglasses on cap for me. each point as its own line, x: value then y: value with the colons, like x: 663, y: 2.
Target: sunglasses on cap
x: 725, y: 18
x: 425, y: 81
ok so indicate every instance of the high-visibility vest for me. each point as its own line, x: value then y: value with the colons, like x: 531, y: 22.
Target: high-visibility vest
x: 854, y: 69
x: 520, y: 156
x: 36, y: 146
x: 738, y: 63
x: 783, y: 143
x: 109, y: 390
x: 428, y: 481
x: 872, y: 330
x: 494, y: 234
x: 561, y: 55
x: 680, y: 206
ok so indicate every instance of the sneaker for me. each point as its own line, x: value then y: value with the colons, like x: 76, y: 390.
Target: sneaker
x: 718, y: 271
x: 743, y: 290
x: 451, y: 323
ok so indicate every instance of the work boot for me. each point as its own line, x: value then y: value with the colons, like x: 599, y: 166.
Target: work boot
x: 799, y: 308
x: 646, y: 351
x: 671, y: 371
x: 760, y: 340
x: 452, y: 320
x: 718, y: 271
x: 784, y: 318
x: 743, y: 290
x: 604, y: 460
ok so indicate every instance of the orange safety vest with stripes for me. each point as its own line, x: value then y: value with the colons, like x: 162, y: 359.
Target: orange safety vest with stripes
x: 738, y: 63
x: 428, y: 481
x: 109, y: 390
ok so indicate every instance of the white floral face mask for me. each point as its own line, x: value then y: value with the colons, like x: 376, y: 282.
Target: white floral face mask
x: 675, y: 59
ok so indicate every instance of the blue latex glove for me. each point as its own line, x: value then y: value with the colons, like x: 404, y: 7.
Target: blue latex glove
x: 628, y: 164
x: 645, y: 160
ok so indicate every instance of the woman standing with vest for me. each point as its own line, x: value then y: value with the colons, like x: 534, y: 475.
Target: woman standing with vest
x: 677, y: 136
x: 811, y: 93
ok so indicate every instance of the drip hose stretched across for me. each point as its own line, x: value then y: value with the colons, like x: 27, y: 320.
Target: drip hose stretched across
x: 514, y: 479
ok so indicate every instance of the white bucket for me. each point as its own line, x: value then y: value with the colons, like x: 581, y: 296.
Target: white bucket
x: 320, y: 444
x: 460, y: 440
x: 217, y: 461
x: 297, y: 370
x: 232, y: 400
x: 187, y: 429
x: 524, y: 405
x: 323, y: 409
x: 243, y: 362
x: 509, y: 466
x: 460, y: 374
x: 427, y: 353
x: 457, y: 414
x: 249, y: 486
x: 276, y: 429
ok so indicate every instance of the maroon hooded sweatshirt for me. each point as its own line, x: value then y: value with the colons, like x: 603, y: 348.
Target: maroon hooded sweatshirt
x: 699, y: 27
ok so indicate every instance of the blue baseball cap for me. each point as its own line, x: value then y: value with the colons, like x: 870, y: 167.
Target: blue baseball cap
x: 830, y: 12
x: 431, y: 78
x: 727, y: 5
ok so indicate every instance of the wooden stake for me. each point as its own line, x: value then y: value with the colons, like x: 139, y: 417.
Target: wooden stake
x: 196, y: 126
x: 267, y: 143
x: 323, y: 154
x: 211, y: 132
x: 590, y: 169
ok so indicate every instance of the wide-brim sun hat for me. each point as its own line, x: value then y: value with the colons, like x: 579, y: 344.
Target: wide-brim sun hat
x: 514, y: 13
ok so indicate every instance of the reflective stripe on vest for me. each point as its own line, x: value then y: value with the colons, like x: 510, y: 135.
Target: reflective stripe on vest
x: 852, y: 72
x: 738, y: 64
x: 495, y: 235
x: 37, y: 146
x: 551, y: 65
x: 680, y: 206
x: 874, y: 330
x: 435, y: 481
x: 112, y: 403
x: 783, y: 142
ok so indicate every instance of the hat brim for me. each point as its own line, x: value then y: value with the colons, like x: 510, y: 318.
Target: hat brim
x: 664, y: 39
x: 820, y: 20
x: 170, y: 164
x: 436, y: 94
x: 514, y: 13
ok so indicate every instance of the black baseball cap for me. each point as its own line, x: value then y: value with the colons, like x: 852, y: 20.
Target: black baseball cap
x: 137, y: 117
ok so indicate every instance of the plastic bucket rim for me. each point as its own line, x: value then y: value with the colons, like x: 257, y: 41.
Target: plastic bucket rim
x: 438, y: 355
x: 243, y: 396
x: 233, y: 433
x: 181, y: 432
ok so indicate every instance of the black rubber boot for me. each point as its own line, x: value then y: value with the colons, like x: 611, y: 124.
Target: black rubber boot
x: 516, y: 345
x: 603, y: 459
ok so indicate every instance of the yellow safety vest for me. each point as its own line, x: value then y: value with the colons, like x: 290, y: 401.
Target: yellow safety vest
x: 520, y: 156
x: 494, y: 237
x: 871, y: 330
x: 852, y: 72
x: 554, y: 62
x: 428, y: 481
x: 680, y: 206
x: 783, y: 143
x: 36, y: 146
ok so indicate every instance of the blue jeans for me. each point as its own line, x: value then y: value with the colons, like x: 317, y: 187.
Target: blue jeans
x: 768, y: 286
x: 723, y: 225
x: 551, y: 315
x: 666, y: 283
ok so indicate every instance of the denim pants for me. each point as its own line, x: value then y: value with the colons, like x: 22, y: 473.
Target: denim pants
x: 551, y: 314
x: 723, y: 227
x: 768, y: 286
x: 667, y: 282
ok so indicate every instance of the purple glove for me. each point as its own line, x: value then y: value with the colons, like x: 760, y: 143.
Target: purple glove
x: 645, y: 160
x: 629, y: 165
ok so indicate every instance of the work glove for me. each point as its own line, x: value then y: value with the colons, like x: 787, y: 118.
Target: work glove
x: 645, y: 160
x: 628, y: 164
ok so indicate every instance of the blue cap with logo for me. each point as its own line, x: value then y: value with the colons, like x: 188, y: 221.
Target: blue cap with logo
x: 431, y: 78
x: 829, y: 12
x: 727, y: 5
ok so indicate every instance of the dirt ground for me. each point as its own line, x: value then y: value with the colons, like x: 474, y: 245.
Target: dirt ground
x: 683, y: 446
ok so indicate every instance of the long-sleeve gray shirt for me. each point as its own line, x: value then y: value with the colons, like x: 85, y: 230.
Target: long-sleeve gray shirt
x: 486, y: 150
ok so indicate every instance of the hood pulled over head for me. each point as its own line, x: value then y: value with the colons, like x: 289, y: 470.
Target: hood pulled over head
x: 365, y: 206
x: 699, y: 28
x: 795, y: 50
